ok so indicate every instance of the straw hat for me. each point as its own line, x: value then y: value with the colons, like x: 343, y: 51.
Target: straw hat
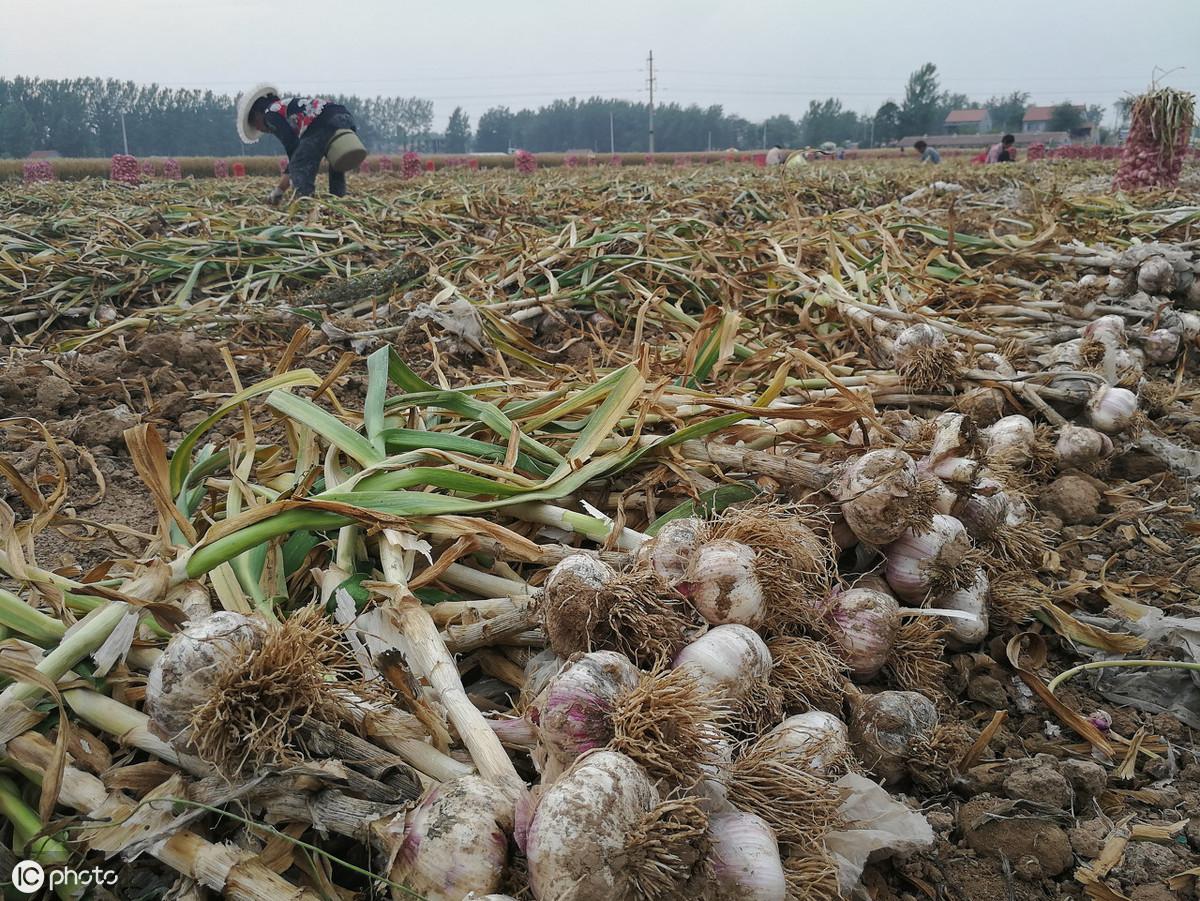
x: 247, y: 132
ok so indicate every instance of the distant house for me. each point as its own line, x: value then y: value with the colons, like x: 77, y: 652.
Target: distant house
x: 1037, y: 119
x: 968, y: 121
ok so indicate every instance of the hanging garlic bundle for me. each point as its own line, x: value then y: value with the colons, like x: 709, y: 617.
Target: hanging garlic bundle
x: 455, y: 841
x: 603, y: 832
x: 889, y: 731
x: 880, y: 496
x: 931, y: 561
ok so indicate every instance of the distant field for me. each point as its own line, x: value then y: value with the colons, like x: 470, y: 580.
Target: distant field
x: 203, y: 166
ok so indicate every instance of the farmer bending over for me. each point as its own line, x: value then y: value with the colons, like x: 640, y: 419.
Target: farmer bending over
x: 928, y: 154
x: 309, y: 129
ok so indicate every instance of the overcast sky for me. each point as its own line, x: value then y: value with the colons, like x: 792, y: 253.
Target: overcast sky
x: 755, y: 58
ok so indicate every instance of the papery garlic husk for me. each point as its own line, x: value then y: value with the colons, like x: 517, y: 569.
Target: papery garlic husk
x: 745, y: 859
x: 820, y: 741
x: 1080, y: 447
x: 1111, y: 410
x: 1161, y: 346
x: 671, y: 550
x: 974, y: 600
x: 953, y: 434
x: 574, y: 712
x: 886, y: 728
x: 1127, y: 365
x: 1011, y: 440
x: 539, y: 670
x: 983, y: 509
x: 997, y: 363
x: 579, y: 569
x: 1109, y: 329
x: 182, y: 678
x: 944, y: 497
x: 928, y: 562
x: 1066, y: 354
x: 862, y: 622
x: 955, y: 470
x: 922, y: 356
x: 602, y: 832
x: 722, y: 585
x: 1119, y: 284
x: 455, y: 841
x: 1156, y: 276
x: 880, y: 495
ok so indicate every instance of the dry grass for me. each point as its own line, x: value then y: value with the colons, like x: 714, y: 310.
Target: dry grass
x: 808, y: 673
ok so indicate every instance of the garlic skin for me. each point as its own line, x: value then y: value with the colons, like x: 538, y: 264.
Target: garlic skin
x: 1079, y: 446
x: 579, y: 568
x: 573, y: 711
x: 863, y: 623
x: 456, y: 840
x: 671, y: 550
x: 886, y: 727
x: 1011, y: 438
x: 983, y: 509
x: 1118, y: 284
x: 944, y: 544
x: 1161, y: 346
x: 180, y: 680
x: 575, y: 842
x: 913, y: 340
x: 1156, y: 276
x: 997, y: 363
x: 819, y: 738
x: 721, y: 584
x: 1111, y: 410
x: 876, y: 494
x: 745, y: 859
x: 1110, y: 329
x: 973, y: 599
x: 727, y: 660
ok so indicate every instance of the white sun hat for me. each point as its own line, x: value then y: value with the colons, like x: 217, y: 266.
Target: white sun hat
x: 247, y: 132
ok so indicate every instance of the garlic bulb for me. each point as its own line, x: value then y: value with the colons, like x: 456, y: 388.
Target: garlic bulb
x: 722, y: 585
x: 671, y: 549
x: 1118, y: 284
x: 573, y: 713
x: 956, y: 470
x: 1011, y: 439
x: 818, y: 738
x: 456, y: 840
x: 1078, y: 446
x: 727, y: 660
x: 1111, y: 410
x: 181, y: 679
x: 1161, y: 346
x: 886, y: 727
x: 879, y: 496
x: 997, y: 363
x: 974, y: 600
x: 745, y: 859
x: 1156, y: 276
x: 577, y: 569
x: 916, y: 348
x: 1109, y: 329
x: 863, y: 623
x: 983, y: 509
x: 923, y: 562
x: 593, y: 835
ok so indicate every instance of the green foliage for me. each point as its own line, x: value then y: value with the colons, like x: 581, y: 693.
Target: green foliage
x: 1008, y: 110
x: 16, y: 130
x: 922, y: 102
x: 458, y: 132
x: 1066, y: 117
x: 887, y: 123
x: 826, y: 121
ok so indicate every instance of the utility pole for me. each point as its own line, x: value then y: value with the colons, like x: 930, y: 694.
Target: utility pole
x: 612, y: 143
x: 124, y: 137
x: 650, y: 82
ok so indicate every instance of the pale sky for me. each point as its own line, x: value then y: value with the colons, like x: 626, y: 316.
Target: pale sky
x: 755, y: 59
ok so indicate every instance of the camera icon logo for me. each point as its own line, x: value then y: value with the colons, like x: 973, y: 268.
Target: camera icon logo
x: 28, y: 876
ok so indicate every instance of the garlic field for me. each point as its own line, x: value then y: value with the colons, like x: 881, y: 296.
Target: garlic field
x: 605, y: 533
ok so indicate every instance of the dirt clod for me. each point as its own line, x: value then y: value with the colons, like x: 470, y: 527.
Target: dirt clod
x: 55, y: 394
x: 1038, y: 780
x: 1073, y: 499
x: 1087, y: 778
x: 990, y: 828
x: 105, y: 428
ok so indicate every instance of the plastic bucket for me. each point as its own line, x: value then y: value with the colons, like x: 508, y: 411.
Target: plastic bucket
x: 345, y: 151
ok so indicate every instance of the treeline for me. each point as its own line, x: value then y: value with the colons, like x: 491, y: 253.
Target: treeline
x: 81, y: 117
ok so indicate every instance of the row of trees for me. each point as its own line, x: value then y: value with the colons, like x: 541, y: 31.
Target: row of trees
x: 82, y: 117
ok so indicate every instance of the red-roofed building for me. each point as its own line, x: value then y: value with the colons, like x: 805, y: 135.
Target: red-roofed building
x: 968, y: 121
x: 1037, y: 119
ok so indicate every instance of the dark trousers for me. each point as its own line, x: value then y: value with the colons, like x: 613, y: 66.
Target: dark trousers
x: 306, y: 161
